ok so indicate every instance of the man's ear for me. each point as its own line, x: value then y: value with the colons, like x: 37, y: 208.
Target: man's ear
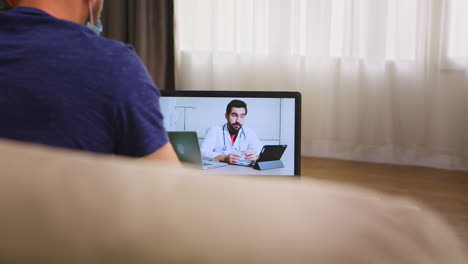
x: 226, y: 116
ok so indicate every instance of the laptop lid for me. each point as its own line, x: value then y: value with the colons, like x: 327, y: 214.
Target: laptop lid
x: 186, y: 146
x: 274, y: 117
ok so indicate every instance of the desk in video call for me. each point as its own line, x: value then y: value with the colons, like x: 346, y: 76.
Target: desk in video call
x: 242, y: 170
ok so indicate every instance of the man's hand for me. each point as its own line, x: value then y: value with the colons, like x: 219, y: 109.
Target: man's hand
x: 232, y: 158
x: 250, y: 155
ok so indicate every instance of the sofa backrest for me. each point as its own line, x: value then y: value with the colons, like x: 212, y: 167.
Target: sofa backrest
x: 60, y: 206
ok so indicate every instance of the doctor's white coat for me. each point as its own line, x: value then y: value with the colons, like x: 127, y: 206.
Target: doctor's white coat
x: 218, y: 142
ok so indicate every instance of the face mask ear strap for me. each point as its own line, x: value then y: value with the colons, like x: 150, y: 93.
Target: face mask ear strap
x: 91, y: 15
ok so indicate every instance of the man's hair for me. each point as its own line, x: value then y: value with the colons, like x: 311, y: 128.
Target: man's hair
x: 236, y: 103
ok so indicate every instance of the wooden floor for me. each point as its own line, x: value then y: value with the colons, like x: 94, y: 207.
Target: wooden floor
x: 443, y: 190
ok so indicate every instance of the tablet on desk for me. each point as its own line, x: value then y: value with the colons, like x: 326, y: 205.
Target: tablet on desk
x: 271, y: 152
x: 268, y: 153
x: 270, y: 157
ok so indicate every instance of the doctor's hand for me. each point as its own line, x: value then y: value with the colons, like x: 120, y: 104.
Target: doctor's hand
x: 232, y: 158
x: 250, y: 155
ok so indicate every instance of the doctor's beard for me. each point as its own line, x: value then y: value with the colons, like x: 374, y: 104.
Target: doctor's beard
x: 234, y: 129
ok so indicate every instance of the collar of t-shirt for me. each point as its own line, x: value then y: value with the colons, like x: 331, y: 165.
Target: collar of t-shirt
x: 233, y: 138
x: 28, y: 11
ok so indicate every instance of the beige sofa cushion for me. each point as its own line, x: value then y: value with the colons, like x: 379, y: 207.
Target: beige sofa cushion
x: 66, y: 207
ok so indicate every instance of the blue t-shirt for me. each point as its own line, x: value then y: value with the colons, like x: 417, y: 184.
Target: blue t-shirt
x: 63, y: 85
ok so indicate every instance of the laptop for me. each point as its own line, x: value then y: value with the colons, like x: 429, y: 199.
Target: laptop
x: 187, y: 148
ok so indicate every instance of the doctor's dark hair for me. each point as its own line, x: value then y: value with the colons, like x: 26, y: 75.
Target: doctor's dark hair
x: 236, y: 103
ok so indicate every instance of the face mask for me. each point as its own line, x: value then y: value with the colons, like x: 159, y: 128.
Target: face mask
x: 97, y: 28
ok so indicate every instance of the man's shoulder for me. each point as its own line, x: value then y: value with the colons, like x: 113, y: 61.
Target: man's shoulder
x: 216, y: 128
x: 120, y: 63
x: 249, y: 130
x: 109, y: 46
x: 112, y: 50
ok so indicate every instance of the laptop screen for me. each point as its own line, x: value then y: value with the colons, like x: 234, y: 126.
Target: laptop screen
x: 238, y: 127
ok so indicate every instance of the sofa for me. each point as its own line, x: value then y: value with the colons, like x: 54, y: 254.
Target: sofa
x: 61, y: 206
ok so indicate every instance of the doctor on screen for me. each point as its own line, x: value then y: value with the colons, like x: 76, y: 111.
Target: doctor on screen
x: 232, y: 141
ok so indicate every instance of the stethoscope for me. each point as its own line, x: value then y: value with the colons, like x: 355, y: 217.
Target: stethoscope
x: 224, y: 137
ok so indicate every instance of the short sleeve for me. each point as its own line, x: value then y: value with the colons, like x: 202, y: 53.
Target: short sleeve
x: 139, y: 122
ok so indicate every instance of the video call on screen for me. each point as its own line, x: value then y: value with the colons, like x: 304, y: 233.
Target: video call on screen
x: 272, y: 119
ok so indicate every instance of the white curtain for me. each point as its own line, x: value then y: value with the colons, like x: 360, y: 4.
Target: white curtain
x: 382, y: 80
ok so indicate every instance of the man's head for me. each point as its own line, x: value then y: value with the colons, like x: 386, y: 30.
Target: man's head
x: 78, y: 11
x: 236, y: 111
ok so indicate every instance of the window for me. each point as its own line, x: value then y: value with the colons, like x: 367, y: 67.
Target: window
x: 363, y: 29
x: 458, y: 29
x: 371, y: 29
